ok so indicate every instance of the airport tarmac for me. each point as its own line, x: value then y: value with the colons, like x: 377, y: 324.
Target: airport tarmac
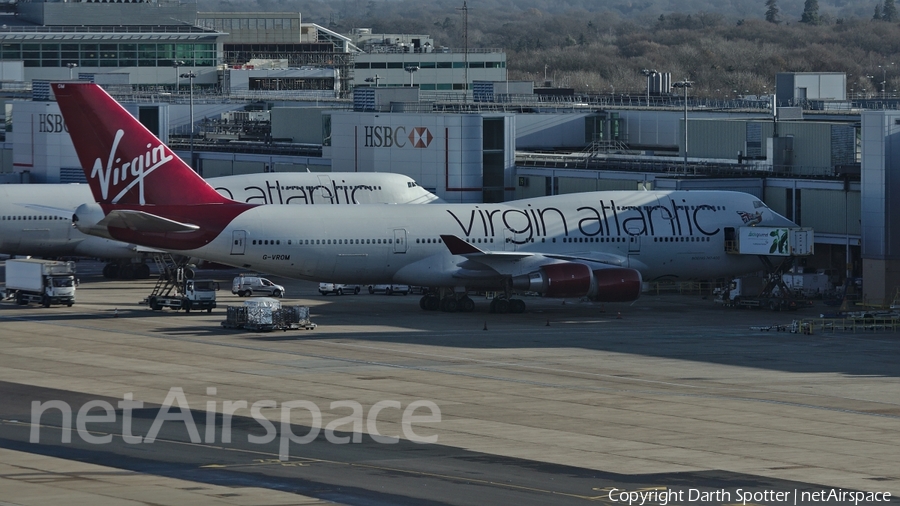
x: 566, y: 404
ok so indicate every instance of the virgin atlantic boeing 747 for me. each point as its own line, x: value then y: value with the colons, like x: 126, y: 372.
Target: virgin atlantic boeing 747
x: 599, y: 245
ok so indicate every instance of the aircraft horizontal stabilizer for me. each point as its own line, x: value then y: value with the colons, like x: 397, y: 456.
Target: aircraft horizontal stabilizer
x: 144, y: 249
x: 144, y: 222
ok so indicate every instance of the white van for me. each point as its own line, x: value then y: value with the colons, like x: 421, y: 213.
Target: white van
x: 338, y: 289
x: 247, y: 286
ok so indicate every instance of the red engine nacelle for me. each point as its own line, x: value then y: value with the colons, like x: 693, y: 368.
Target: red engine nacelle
x: 617, y: 284
x: 570, y: 279
x: 557, y: 280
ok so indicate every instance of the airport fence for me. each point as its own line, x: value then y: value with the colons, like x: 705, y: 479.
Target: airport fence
x: 853, y: 325
x: 684, y: 287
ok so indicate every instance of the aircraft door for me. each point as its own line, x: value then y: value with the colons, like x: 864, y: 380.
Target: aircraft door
x: 509, y: 240
x: 10, y: 239
x: 38, y: 238
x: 239, y: 242
x: 400, y: 240
x: 634, y: 244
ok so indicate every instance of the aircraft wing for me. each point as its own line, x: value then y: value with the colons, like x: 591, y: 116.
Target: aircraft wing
x: 482, y: 264
x: 144, y: 222
x: 459, y: 247
x: 594, y: 257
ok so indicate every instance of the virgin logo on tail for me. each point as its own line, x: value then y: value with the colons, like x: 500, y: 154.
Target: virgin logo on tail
x: 131, y: 172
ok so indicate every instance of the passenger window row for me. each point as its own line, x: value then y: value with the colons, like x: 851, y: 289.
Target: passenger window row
x: 681, y: 239
x: 305, y: 242
x: 41, y: 218
x: 592, y: 239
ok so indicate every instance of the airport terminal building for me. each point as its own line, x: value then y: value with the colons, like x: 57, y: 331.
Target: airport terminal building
x: 274, y: 94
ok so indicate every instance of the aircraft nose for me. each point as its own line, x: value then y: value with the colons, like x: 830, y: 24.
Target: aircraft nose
x: 773, y: 219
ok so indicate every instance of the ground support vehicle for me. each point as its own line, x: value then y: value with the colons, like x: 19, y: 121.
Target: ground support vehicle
x: 758, y: 293
x: 337, y: 288
x: 769, y: 292
x: 389, y: 289
x: 247, y: 285
x: 177, y: 289
x: 43, y: 281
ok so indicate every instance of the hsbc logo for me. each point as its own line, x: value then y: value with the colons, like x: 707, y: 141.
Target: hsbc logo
x: 51, y: 124
x: 397, y: 137
x: 420, y: 137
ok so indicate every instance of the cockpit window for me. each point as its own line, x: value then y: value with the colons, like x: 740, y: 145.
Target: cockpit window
x: 759, y: 203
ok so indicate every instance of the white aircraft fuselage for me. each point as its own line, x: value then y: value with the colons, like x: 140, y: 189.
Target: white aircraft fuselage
x: 36, y: 219
x: 674, y: 235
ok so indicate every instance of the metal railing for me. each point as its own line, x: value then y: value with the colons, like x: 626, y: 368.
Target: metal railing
x: 890, y: 323
x: 667, y: 165
x: 105, y: 29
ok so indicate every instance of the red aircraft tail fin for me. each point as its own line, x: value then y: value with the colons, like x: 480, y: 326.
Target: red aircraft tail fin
x: 124, y: 162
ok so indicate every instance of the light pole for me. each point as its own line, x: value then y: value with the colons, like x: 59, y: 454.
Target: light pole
x: 685, y: 84
x: 465, y: 9
x: 191, y: 76
x: 411, y: 69
x: 649, y: 73
x: 175, y: 65
x: 71, y: 68
x: 884, y: 79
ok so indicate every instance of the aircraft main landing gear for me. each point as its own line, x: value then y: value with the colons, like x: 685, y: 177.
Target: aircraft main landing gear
x: 448, y: 304
x: 503, y: 305
x: 126, y: 270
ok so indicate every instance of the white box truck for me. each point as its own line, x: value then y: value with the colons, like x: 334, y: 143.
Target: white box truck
x: 43, y: 281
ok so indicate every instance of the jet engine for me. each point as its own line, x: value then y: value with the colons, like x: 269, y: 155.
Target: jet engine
x: 87, y: 218
x: 570, y: 279
x: 617, y: 284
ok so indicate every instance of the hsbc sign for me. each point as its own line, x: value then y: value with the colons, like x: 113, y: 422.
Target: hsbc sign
x: 397, y: 137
